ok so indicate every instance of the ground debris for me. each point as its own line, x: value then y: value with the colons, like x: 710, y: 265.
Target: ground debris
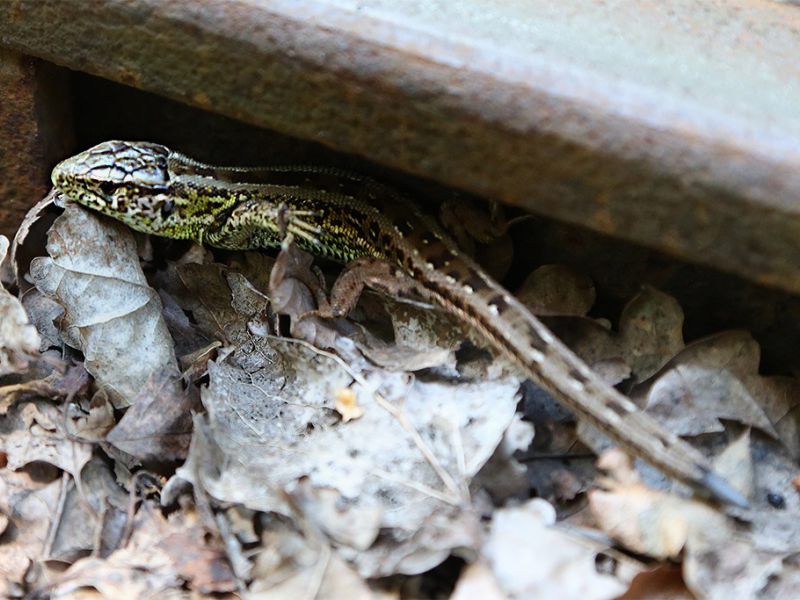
x: 162, y: 435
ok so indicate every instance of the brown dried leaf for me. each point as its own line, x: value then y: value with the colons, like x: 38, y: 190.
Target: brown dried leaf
x: 422, y: 339
x: 57, y: 385
x: 256, y: 267
x: 721, y: 565
x: 31, y: 508
x: 344, y: 523
x: 7, y: 278
x: 225, y: 305
x: 188, y: 335
x: 663, y: 582
x: 735, y: 464
x: 404, y: 358
x: 31, y: 236
x: 100, y: 419
x: 158, y: 426
x: 481, y: 235
x: 720, y: 560
x: 780, y: 399
x: 44, y: 313
x: 424, y: 328
x: 786, y: 583
x: 203, y: 291
x: 111, y: 313
x: 598, y: 346
x: 503, y: 476
x: 292, y: 566
x: 705, y: 382
x: 92, y: 512
x: 295, y: 290
x: 199, y: 561
x: 195, y: 365
x: 651, y: 331
x: 19, y: 341
x: 691, y: 400
x: 647, y: 521
x: 35, y: 431
x: 140, y: 569
x: 556, y: 290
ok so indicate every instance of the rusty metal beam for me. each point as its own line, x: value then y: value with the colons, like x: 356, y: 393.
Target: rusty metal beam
x: 671, y: 124
x: 34, y: 131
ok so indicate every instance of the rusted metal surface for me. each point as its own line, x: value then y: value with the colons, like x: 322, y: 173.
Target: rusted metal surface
x: 32, y: 134
x: 671, y: 124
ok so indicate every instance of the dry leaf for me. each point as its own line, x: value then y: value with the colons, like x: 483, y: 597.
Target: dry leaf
x: 503, y: 476
x: 44, y: 313
x: 663, y: 582
x: 477, y: 581
x: 99, y: 421
x: 188, y: 336
x: 19, y: 341
x: 91, y: 515
x: 35, y: 431
x: 31, y: 508
x: 735, y: 464
x: 594, y: 343
x: 296, y: 290
x: 646, y: 521
x: 31, y: 236
x: 276, y: 421
x: 158, y: 426
x: 291, y: 566
x: 479, y: 233
x: 203, y: 291
x: 780, y: 399
x: 786, y: 583
x: 343, y: 522
x: 200, y: 561
x: 651, y: 331
x: 705, y: 382
x: 557, y: 290
x: 423, y: 338
x: 530, y: 558
x: 73, y: 381
x: 110, y: 312
x: 140, y: 569
x: 721, y: 560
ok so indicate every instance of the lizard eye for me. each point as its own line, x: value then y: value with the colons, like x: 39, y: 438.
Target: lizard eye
x: 107, y: 187
x: 167, y: 208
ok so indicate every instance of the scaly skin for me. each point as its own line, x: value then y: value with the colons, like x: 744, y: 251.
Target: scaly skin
x: 345, y: 216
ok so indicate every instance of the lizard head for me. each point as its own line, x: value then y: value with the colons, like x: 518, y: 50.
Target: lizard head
x: 129, y: 181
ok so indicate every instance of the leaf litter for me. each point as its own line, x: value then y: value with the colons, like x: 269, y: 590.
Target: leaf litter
x: 209, y: 453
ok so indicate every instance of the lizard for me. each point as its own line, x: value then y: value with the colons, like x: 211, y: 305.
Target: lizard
x: 352, y: 218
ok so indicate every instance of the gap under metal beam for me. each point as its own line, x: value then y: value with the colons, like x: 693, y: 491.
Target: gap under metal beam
x: 672, y: 124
